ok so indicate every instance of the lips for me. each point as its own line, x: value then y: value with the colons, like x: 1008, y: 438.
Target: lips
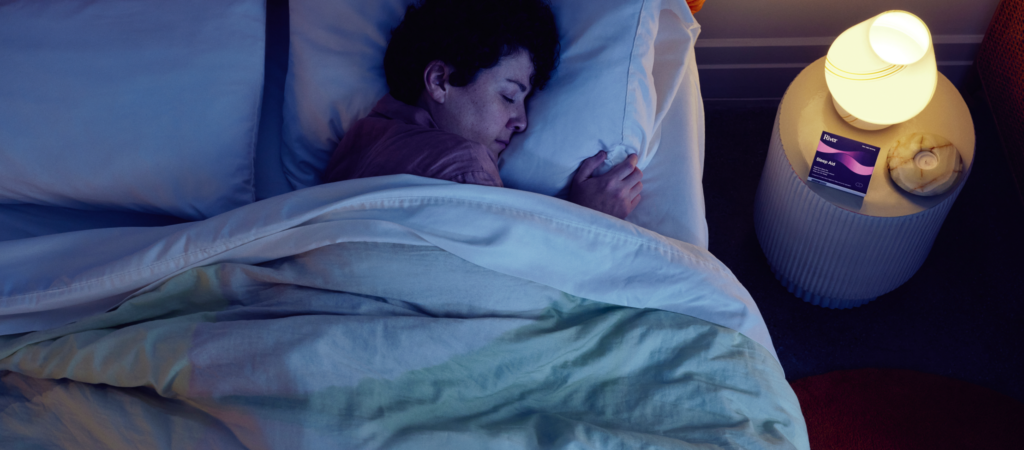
x: 503, y: 143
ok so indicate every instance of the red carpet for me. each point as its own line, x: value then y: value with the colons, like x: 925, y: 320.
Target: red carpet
x: 883, y: 409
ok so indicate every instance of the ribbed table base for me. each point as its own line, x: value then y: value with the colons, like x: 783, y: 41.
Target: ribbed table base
x: 815, y: 299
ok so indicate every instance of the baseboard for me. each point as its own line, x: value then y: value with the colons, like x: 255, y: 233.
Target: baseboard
x: 764, y: 67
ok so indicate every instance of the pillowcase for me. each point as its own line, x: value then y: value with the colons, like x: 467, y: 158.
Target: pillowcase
x: 610, y: 92
x: 335, y: 76
x: 135, y: 105
x: 607, y: 92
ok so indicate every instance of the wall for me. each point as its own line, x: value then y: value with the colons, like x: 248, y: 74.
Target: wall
x: 754, y: 49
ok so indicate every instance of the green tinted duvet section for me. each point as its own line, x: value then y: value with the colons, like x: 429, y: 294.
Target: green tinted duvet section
x: 374, y: 345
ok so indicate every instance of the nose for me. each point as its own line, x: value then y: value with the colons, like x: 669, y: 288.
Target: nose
x: 517, y: 122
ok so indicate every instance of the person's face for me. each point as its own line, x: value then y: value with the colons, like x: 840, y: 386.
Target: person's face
x: 490, y: 109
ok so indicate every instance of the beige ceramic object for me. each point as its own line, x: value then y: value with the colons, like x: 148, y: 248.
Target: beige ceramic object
x: 924, y: 164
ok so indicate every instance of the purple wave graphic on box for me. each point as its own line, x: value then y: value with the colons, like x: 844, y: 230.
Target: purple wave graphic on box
x: 844, y: 157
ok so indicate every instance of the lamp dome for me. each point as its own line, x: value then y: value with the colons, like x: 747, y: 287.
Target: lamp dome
x: 882, y: 71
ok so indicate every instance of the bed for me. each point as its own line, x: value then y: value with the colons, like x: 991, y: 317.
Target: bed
x: 174, y: 276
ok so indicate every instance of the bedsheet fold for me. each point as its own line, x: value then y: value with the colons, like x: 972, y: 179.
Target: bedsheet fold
x: 372, y: 344
x: 58, y: 279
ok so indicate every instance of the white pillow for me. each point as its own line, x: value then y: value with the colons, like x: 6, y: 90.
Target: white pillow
x: 137, y: 105
x: 611, y: 91
x: 607, y: 93
x: 335, y: 76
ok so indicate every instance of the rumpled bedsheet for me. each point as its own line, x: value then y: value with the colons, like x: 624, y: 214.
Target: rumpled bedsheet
x: 380, y: 345
x: 395, y: 312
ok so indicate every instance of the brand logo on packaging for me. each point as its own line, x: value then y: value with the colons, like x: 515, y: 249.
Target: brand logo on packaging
x: 843, y: 163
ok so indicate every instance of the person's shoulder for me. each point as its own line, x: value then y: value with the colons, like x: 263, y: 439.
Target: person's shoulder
x: 459, y: 147
x: 424, y: 139
x: 480, y: 177
x: 444, y: 155
x: 474, y: 163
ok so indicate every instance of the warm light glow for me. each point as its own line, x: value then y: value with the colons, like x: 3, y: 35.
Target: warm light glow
x: 882, y: 71
x: 899, y: 37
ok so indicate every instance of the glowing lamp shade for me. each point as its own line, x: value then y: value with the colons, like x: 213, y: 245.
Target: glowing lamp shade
x: 882, y: 71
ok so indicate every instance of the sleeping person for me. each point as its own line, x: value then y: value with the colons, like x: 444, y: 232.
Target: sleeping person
x: 460, y: 73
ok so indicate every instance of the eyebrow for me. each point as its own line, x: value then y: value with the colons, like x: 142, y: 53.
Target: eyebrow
x: 522, y: 87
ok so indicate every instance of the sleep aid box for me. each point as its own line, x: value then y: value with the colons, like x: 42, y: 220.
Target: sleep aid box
x: 842, y: 163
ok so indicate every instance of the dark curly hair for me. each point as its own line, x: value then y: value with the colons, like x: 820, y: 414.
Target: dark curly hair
x: 469, y: 35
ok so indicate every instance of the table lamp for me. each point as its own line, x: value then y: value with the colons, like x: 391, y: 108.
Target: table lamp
x: 882, y: 71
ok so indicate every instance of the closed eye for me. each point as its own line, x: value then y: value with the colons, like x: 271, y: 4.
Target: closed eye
x: 507, y: 99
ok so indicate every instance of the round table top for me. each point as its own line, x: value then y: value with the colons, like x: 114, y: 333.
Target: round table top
x: 807, y: 110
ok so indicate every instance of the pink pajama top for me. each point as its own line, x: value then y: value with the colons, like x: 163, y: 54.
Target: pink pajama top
x: 398, y: 138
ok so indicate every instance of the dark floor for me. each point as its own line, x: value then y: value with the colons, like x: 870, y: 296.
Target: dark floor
x: 961, y: 315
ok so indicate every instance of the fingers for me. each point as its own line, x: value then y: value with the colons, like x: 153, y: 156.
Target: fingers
x: 589, y: 165
x: 634, y: 177
x: 634, y: 202
x: 635, y: 191
x: 624, y: 168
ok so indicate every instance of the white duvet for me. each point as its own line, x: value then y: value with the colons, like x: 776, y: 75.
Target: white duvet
x: 53, y: 280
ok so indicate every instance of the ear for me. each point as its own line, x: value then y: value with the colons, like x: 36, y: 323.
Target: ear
x: 435, y: 80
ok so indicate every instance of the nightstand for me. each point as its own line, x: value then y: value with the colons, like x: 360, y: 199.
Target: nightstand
x: 835, y: 249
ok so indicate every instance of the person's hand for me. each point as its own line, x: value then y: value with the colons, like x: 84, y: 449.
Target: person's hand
x: 615, y: 193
